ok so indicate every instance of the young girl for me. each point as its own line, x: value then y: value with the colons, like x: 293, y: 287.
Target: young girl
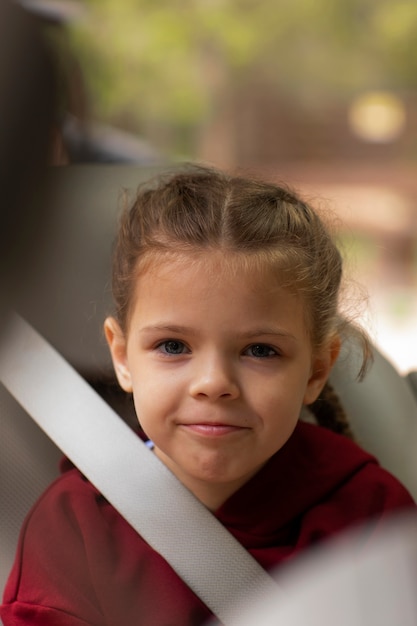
x: 226, y: 326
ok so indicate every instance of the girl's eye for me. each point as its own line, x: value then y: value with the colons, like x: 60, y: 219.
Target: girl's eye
x: 261, y: 351
x: 172, y: 346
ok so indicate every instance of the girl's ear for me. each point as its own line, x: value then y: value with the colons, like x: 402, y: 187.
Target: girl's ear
x: 117, y: 344
x: 320, y: 370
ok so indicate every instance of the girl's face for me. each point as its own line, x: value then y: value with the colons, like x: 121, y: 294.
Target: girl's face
x: 220, y: 365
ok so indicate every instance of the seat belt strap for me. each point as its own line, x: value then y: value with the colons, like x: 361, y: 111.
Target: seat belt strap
x: 158, y: 506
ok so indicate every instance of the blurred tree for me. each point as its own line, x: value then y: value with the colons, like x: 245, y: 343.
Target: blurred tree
x: 163, y: 67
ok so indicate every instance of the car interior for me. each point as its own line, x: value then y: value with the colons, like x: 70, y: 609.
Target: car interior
x: 67, y: 302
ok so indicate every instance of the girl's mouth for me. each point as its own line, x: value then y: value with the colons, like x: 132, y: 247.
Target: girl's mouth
x: 213, y: 430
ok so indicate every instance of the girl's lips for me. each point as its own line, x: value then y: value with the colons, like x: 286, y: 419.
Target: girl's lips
x: 213, y: 430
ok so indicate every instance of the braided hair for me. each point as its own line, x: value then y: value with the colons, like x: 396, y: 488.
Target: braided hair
x: 329, y: 412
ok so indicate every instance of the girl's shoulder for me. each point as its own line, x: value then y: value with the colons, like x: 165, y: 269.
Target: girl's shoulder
x: 71, y: 490
x: 349, y: 470
x: 72, y: 505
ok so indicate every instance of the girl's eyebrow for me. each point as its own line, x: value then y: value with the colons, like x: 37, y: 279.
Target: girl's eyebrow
x: 170, y: 328
x: 268, y: 331
x: 250, y: 334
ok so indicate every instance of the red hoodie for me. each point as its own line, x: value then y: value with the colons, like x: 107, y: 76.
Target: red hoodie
x: 79, y: 562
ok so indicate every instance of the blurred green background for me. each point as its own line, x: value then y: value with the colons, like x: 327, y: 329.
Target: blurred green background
x: 170, y: 70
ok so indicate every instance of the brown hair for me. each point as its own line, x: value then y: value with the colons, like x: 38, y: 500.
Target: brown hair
x: 200, y: 208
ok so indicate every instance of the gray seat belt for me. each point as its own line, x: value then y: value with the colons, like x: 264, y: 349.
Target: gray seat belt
x: 170, y: 519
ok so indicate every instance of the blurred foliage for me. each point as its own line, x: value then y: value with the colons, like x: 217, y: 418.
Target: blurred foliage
x: 165, y: 62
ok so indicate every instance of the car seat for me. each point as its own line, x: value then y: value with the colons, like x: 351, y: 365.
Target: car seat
x: 68, y: 302
x: 382, y: 411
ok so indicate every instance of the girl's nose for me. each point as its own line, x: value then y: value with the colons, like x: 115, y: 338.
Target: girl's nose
x: 213, y: 379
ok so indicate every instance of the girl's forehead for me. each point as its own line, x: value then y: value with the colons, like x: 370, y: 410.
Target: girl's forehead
x: 220, y: 266
x: 234, y: 284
